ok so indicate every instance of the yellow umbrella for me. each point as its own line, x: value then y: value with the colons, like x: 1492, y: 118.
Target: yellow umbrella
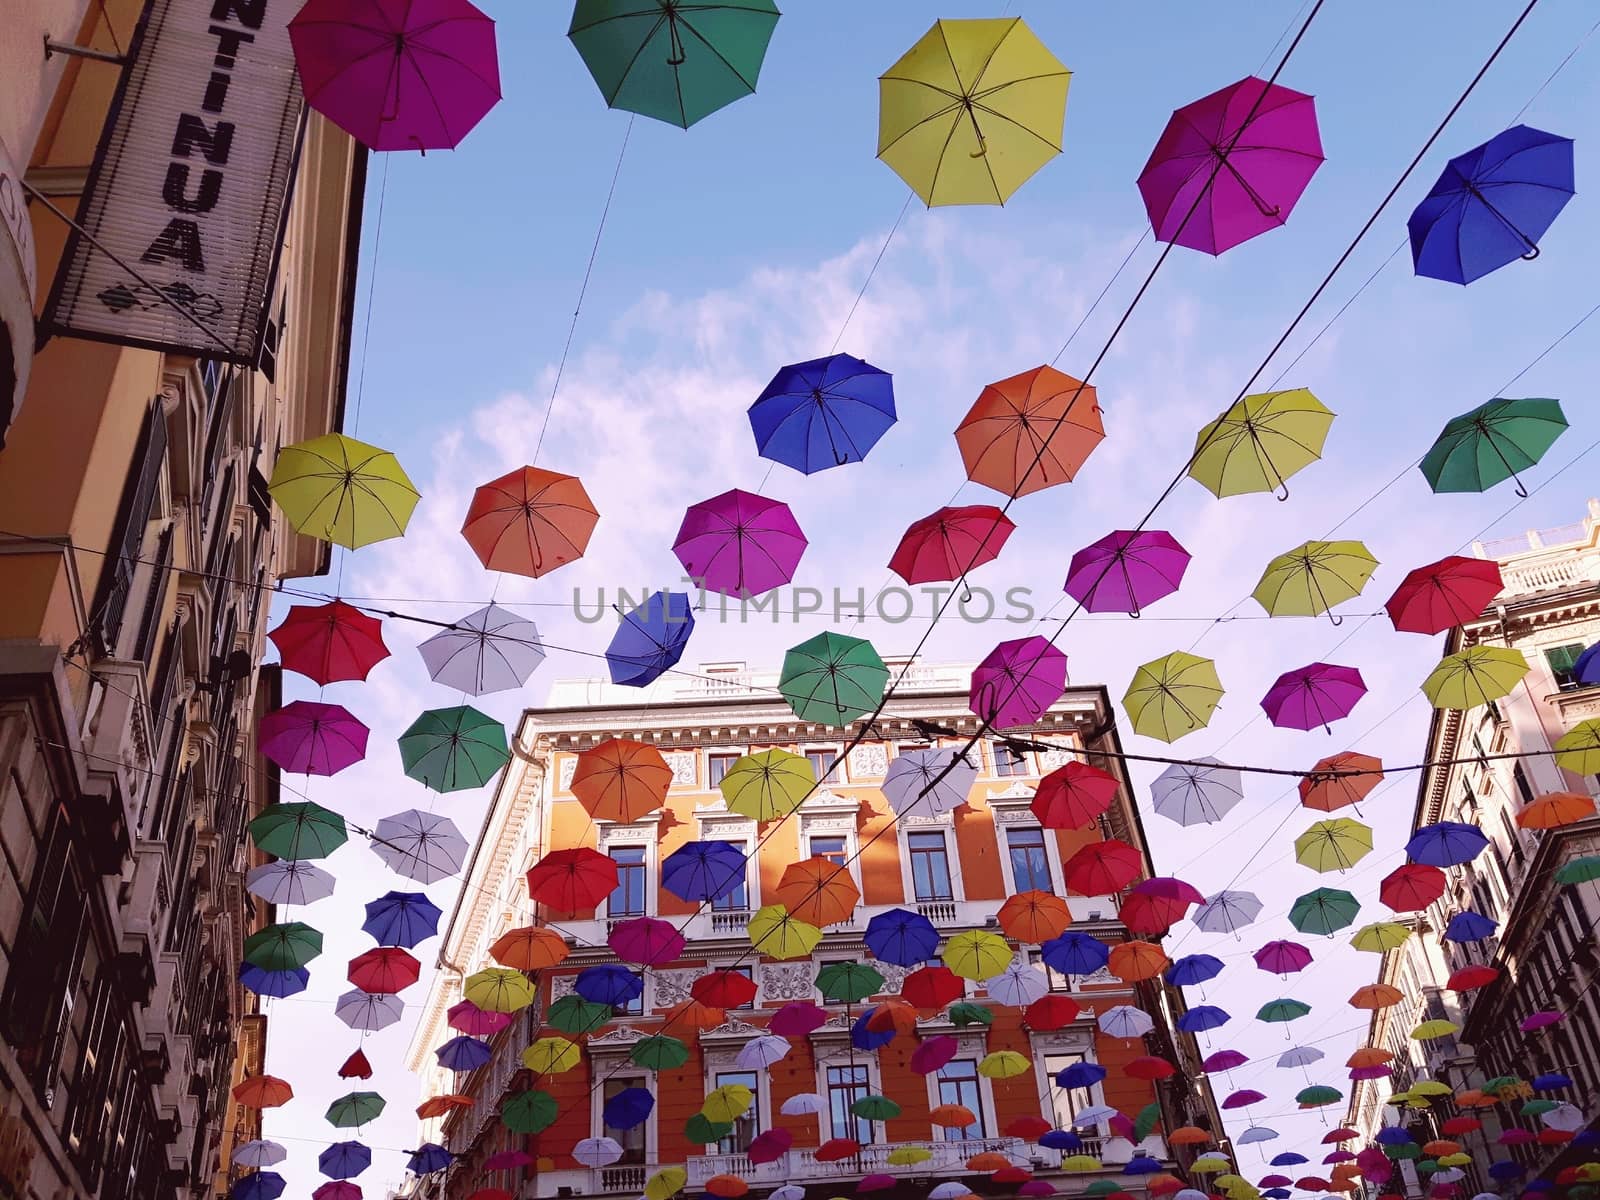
x: 1334, y: 845
x: 340, y: 490
x: 908, y: 1156
x: 1313, y: 577
x: 976, y: 954
x: 551, y: 1056
x: 1456, y: 1160
x: 1579, y: 748
x: 1380, y: 937
x: 1003, y: 1064
x: 971, y: 111
x: 1430, y: 1087
x: 665, y: 1183
x: 1208, y: 1164
x: 1172, y: 696
x: 1474, y: 676
x: 727, y: 1103
x: 768, y: 784
x: 1259, y: 442
x: 1078, y: 1164
x: 778, y: 935
x: 1429, y: 1030
x: 498, y: 989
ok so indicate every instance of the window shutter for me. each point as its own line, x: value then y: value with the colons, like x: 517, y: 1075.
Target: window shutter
x: 138, y: 498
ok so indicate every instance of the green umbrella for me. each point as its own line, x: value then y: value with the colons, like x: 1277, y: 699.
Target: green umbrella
x: 1427, y: 1166
x: 1283, y: 1010
x: 531, y: 1111
x: 298, y: 831
x: 658, y: 1052
x: 1403, y: 1150
x: 1102, y: 1187
x: 573, y: 1014
x: 832, y: 679
x: 1324, y: 910
x: 348, y: 1112
x: 1579, y: 870
x: 701, y: 1130
x: 848, y: 982
x: 1501, y: 1083
x: 454, y: 748
x: 1145, y: 1123
x: 1534, y: 1108
x: 282, y: 947
x: 1318, y: 1095
x: 875, y: 1108
x: 676, y: 62
x: 964, y: 1012
x: 1492, y: 443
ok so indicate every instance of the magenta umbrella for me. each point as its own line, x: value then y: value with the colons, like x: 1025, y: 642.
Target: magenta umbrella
x: 469, y: 1018
x: 646, y: 940
x: 398, y: 74
x: 508, y: 1160
x: 769, y: 1145
x: 1018, y: 681
x: 1369, y: 1072
x: 336, y: 1189
x: 1244, y: 1098
x: 1126, y: 571
x: 1224, y: 1060
x: 1538, y: 1020
x: 1265, y: 139
x: 933, y: 1054
x: 1313, y: 695
x: 739, y: 544
x: 796, y: 1019
x: 1169, y: 888
x: 1283, y: 958
x: 308, y: 738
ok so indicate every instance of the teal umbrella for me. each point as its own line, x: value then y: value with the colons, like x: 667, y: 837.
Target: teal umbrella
x: 355, y: 1109
x: 454, y: 748
x: 848, y: 982
x: 658, y: 1052
x: 1492, y: 443
x: 1283, y: 1010
x: 832, y: 679
x: 282, y: 947
x: 573, y: 1014
x: 1324, y: 910
x: 876, y: 1108
x: 701, y: 1130
x: 673, y: 60
x: 298, y: 831
x: 964, y: 1012
x: 531, y: 1111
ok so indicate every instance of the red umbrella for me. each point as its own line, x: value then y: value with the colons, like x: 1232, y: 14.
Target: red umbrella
x: 530, y: 521
x: 647, y: 940
x: 837, y: 1150
x: 384, y: 970
x: 1148, y: 1066
x: 1412, y: 887
x: 1474, y: 975
x: 1101, y: 868
x: 1051, y: 1012
x: 1029, y: 1128
x: 1029, y: 432
x: 723, y: 989
x: 329, y: 642
x: 1334, y: 1136
x: 932, y: 987
x: 572, y: 881
x: 1444, y: 594
x: 950, y: 542
x: 1144, y: 913
x: 1071, y: 797
x: 356, y: 1067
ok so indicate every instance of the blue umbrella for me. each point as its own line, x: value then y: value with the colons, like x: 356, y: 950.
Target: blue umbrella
x: 1194, y: 968
x: 650, y: 639
x: 258, y: 1185
x: 401, y: 919
x: 344, y: 1160
x: 1277, y: 1194
x: 1203, y: 1017
x: 1061, y: 1139
x: 463, y: 1054
x: 703, y: 870
x: 1446, y: 844
x: 863, y: 1038
x: 1551, y: 1082
x: 1505, y: 1170
x: 608, y: 983
x: 1468, y: 926
x: 902, y: 937
x: 1075, y: 953
x: 1586, y: 667
x: 1392, y: 1135
x: 822, y: 413
x: 1586, y: 1139
x: 1288, y: 1159
x: 273, y: 983
x: 1141, y: 1164
x: 629, y: 1107
x: 1080, y: 1075
x: 428, y: 1158
x: 1492, y: 205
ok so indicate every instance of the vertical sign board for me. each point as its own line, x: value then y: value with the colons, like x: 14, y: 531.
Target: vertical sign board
x: 190, y: 186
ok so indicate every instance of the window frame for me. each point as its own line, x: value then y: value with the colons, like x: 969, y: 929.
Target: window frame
x: 726, y: 758
x: 1020, y: 760
x: 1044, y: 854
x: 645, y: 1131
x: 827, y: 754
x: 844, y: 1123
x: 750, y: 1123
x: 643, y: 867
x: 916, y: 855
x: 982, y: 1107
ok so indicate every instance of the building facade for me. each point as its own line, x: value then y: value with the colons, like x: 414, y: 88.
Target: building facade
x: 1494, y: 761
x: 138, y: 549
x: 956, y: 869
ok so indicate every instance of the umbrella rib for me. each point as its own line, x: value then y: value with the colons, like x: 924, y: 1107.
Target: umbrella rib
x: 1000, y: 116
x: 733, y: 70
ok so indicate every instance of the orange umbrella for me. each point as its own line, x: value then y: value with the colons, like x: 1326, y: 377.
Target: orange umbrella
x: 1165, y: 1185
x: 691, y: 1014
x: 1029, y: 432
x: 818, y: 891
x: 437, y: 1106
x: 988, y: 1160
x: 1440, y: 1147
x: 530, y: 521
x: 1473, y: 1098
x: 1133, y: 961
x: 1326, y: 790
x: 1035, y: 916
x: 621, y: 780
x: 893, y: 1014
x: 726, y: 1187
x: 951, y: 1116
x: 1370, y: 1056
x: 530, y: 948
x: 1555, y: 809
x: 263, y: 1091
x: 1375, y: 996
x: 1189, y: 1135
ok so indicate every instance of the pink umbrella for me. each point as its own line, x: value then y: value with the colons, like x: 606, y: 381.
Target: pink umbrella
x: 337, y: 1189
x: 1517, y: 1137
x: 508, y: 1160
x: 308, y: 738
x: 1244, y: 1098
x: 1369, y: 1072
x: 1126, y: 571
x: 1375, y: 1165
x: 398, y: 74
x: 933, y: 1054
x: 646, y: 940
x: 739, y: 544
x: 797, y: 1019
x: 1338, y: 1156
x: 469, y: 1018
x: 1539, y: 1020
x: 1318, y: 694
x: 1231, y: 165
x: 1018, y: 681
x: 1283, y: 958
x: 1037, y: 1187
x: 1168, y: 888
x: 875, y: 1182
x: 1224, y: 1060
x: 769, y: 1145
x: 1120, y: 1126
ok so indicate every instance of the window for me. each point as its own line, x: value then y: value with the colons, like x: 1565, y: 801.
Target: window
x: 824, y: 765
x: 137, y: 510
x: 828, y: 846
x: 1030, y: 865
x: 738, y: 900
x: 846, y: 1085
x: 1009, y: 762
x: 1561, y: 660
x: 747, y: 1126
x: 627, y: 899
x: 1524, y: 788
x: 930, y: 865
x: 717, y: 767
x: 1513, y: 840
x: 958, y: 1084
x: 1065, y: 1102
x: 633, y: 1008
x: 632, y: 1140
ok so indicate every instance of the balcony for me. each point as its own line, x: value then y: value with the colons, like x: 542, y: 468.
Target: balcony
x: 724, y: 922
x: 948, y: 1158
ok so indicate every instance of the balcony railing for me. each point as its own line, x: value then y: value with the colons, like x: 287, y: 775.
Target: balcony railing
x: 940, y: 912
x: 729, y: 920
x: 948, y: 1158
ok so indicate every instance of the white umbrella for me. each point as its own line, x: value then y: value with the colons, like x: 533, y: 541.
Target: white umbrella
x: 1126, y: 1021
x: 945, y: 1191
x: 289, y: 881
x: 1019, y: 984
x: 1093, y: 1115
x: 491, y: 650
x: 1189, y: 1194
x: 1447, y: 1175
x: 1256, y: 1133
x: 259, y: 1154
x: 910, y: 781
x: 1568, y: 1117
x: 597, y: 1151
x: 1227, y: 912
x: 1300, y: 1056
x: 789, y: 1191
x: 802, y: 1104
x: 368, y: 1010
x: 1197, y: 793
x: 759, y: 1053
x: 420, y: 845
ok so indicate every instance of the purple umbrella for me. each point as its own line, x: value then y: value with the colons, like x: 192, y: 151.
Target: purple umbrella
x: 1244, y: 1098
x: 469, y: 1018
x: 1283, y: 958
x: 1231, y: 165
x: 1539, y: 1020
x: 1224, y: 1060
x: 739, y: 544
x: 1369, y: 1072
x: 308, y: 738
x: 1318, y: 694
x: 646, y: 940
x: 1126, y: 571
x: 1018, y: 681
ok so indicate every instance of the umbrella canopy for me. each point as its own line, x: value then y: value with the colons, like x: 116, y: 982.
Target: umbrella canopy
x: 384, y: 969
x: 338, y: 489
x: 1334, y: 845
x: 572, y: 880
x: 1203, y: 1017
x: 971, y: 111
x: 976, y: 954
x: 848, y: 982
x: 1412, y: 887
x: 823, y: 413
x: 1194, y: 968
x: 778, y: 935
x: 1126, y: 571
x: 832, y: 679
x: 1125, y: 1021
x: 1313, y: 578
x: 649, y: 941
x: 597, y: 1151
x: 1375, y: 996
x: 1259, y: 442
x: 298, y: 831
x: 1491, y: 205
x: 1231, y: 165
x: 739, y: 544
x: 1101, y: 868
x: 308, y: 738
x: 1073, y: 796
x: 489, y: 650
x: 932, y: 987
x: 552, y: 1056
x: 529, y: 522
x: 934, y: 1053
x: 903, y: 937
x: 469, y: 1018
x: 1202, y: 792
x: 463, y: 1053
x: 528, y: 1112
x: 1034, y: 916
x: 1492, y: 443
x: 1282, y: 1011
x: 1020, y: 984
x: 1227, y: 912
x: 1134, y: 961
x: 288, y: 881
x: 1444, y: 594
x: 676, y: 63
x: 931, y: 781
x: 453, y: 749
x: 1030, y: 432
x: 762, y: 1052
x: 1446, y: 844
x: 1282, y: 958
x: 658, y: 1052
x: 1380, y: 937
x: 1074, y: 953
x: 650, y: 639
x: 1555, y: 810
x: 621, y: 780
x: 1578, y: 750
x: 401, y: 919
x: 704, y: 871
x: 263, y: 1091
x: 1003, y: 1064
x: 258, y: 1185
x: 355, y: 1109
x: 768, y: 784
x: 629, y: 1107
x: 258, y: 1153
x: 950, y: 542
x: 1017, y: 682
x: 1172, y: 696
x: 1324, y: 911
x: 1475, y: 676
x: 1340, y: 780
x: 282, y: 947
x: 329, y: 642
x: 1317, y: 694
x: 610, y: 984
x: 818, y: 891
x: 420, y: 845
x: 368, y: 1011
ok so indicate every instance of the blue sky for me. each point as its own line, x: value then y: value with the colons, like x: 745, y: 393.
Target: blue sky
x: 739, y: 245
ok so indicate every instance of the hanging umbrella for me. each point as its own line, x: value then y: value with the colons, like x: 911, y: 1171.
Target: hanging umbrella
x: 728, y: 1102
x: 451, y: 749
x: 1444, y: 594
x: 420, y: 845
x: 609, y: 984
x: 288, y: 881
x: 802, y: 1104
x: 630, y: 1107
x: 621, y: 780
x: 934, y: 1053
x: 1334, y: 845
x: 1313, y: 578
x: 489, y: 650
x: 848, y: 982
x: 724, y: 988
x: 1003, y: 1064
x: 1492, y: 443
x: 658, y: 1052
x: 649, y: 941
x: 340, y: 490
x: 1227, y: 912
x: 1202, y: 792
x: 1259, y: 442
x: 1555, y: 810
x: 650, y: 639
x: 463, y: 1053
x: 551, y: 1056
x: 704, y: 871
x: 762, y: 1052
x: 1282, y: 958
x: 1135, y: 961
x: 1446, y: 844
x: 336, y: 1190
x: 1491, y: 205
x: 282, y: 947
x: 258, y: 1185
x: 529, y: 522
x: 818, y: 891
x: 573, y: 880
x: 1082, y: 1074
x: 1412, y: 887
x: 329, y: 642
x: 971, y: 111
x: 1019, y: 985
x: 308, y: 738
x: 1282, y: 1011
x: 469, y: 1018
x: 258, y: 1154
x: 428, y: 1158
x: 778, y: 935
x: 297, y: 831
x: 1073, y: 796
x: 823, y: 413
x: 529, y: 1112
x: 1578, y: 750
x: 386, y: 969
x: 950, y: 542
x: 529, y: 948
x: 1126, y: 571
x: 1586, y: 667
x: 1324, y: 911
x: 768, y: 784
x: 665, y: 1183
x: 932, y: 781
x: 1193, y: 969
x: 1474, y: 676
x: 1124, y: 1021
x: 903, y: 937
x: 1074, y: 953
x: 1203, y: 1017
x: 1018, y: 682
x: 976, y: 954
x: 932, y: 987
x: 368, y: 1011
x: 355, y: 1110
x: 263, y: 1091
x: 401, y: 919
x: 832, y: 679
x: 1030, y: 432
x: 1313, y: 695
x: 1033, y: 916
x: 1334, y: 782
x: 1231, y: 165
x: 1376, y: 996
x: 739, y: 544
x: 1101, y: 868
x: 1172, y: 696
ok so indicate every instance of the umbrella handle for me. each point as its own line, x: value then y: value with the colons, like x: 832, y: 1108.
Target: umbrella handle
x: 1282, y: 491
x: 1532, y: 254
